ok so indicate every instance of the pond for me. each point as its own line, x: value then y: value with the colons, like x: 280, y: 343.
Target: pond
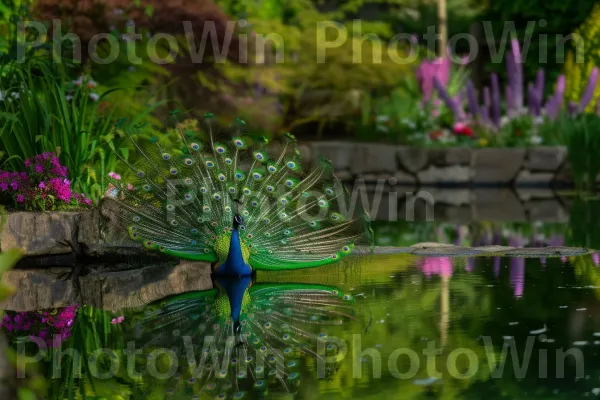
x: 397, y: 326
x: 391, y: 325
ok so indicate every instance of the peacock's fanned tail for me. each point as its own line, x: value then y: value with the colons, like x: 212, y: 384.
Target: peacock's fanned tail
x: 182, y: 201
x: 281, y: 325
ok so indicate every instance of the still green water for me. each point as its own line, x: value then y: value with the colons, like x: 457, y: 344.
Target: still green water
x: 397, y: 326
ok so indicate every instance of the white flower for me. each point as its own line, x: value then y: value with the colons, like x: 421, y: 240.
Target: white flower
x: 94, y: 96
x: 69, y: 97
x: 536, y: 140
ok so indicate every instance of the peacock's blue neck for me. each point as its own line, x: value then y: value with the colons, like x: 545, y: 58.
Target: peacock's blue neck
x: 235, y: 264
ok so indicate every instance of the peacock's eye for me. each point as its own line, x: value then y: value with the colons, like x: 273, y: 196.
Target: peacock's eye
x: 195, y: 146
x: 166, y: 156
x: 270, y: 188
x: 173, y: 171
x: 242, y: 227
x: 231, y: 190
x: 210, y: 164
x: 188, y: 161
x: 228, y: 161
x: 291, y: 164
x: 220, y: 149
x: 239, y: 143
x: 141, y: 174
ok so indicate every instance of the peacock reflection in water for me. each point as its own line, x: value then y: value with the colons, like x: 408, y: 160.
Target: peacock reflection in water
x: 240, y: 339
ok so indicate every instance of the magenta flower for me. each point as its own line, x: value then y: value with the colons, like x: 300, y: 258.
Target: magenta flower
x: 42, y: 185
x: 20, y: 198
x: 437, y: 266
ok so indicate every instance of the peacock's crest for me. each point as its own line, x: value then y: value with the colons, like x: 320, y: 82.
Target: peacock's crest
x: 182, y: 199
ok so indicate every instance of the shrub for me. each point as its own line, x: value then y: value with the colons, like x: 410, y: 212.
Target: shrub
x: 44, y: 187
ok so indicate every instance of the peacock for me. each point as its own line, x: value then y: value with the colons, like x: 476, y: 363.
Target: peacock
x: 239, y: 339
x: 243, y: 204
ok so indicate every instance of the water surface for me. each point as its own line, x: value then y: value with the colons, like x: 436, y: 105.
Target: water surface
x: 398, y: 326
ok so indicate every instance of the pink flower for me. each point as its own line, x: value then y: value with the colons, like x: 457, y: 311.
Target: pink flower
x: 42, y: 185
x: 437, y: 266
x: 118, y: 320
x: 114, y: 176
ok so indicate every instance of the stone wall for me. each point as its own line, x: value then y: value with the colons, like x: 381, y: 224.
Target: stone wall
x: 63, y: 238
x: 463, y: 166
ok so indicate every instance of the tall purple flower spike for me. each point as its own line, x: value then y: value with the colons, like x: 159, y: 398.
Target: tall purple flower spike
x: 540, y: 85
x: 515, y: 68
x: 472, y: 98
x: 555, y: 102
x: 455, y: 107
x: 590, y: 89
x: 496, y: 101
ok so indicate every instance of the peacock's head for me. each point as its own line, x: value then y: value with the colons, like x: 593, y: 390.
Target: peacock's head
x: 237, y: 221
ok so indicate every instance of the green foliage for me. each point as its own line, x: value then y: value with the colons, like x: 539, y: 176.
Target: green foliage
x: 580, y: 135
x: 578, y: 71
x: 39, y: 116
x: 315, y: 89
x: 584, y: 231
x: 561, y: 17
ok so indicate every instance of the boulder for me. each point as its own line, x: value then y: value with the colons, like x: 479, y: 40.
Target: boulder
x: 41, y: 233
x: 374, y: 158
x: 496, y: 165
x: 545, y: 158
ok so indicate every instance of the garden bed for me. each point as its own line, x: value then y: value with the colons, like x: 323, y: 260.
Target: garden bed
x: 456, y: 166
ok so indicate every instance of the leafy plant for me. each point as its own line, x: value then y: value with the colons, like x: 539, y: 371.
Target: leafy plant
x: 580, y: 135
x: 577, y: 72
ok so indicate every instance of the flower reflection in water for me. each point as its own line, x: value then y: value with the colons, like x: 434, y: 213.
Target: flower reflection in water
x: 52, y: 326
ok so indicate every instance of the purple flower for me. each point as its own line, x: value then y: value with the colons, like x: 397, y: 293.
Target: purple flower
x: 20, y: 198
x: 39, y: 168
x: 42, y: 185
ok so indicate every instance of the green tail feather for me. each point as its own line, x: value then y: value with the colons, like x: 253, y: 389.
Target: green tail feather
x: 182, y: 202
x: 281, y: 325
